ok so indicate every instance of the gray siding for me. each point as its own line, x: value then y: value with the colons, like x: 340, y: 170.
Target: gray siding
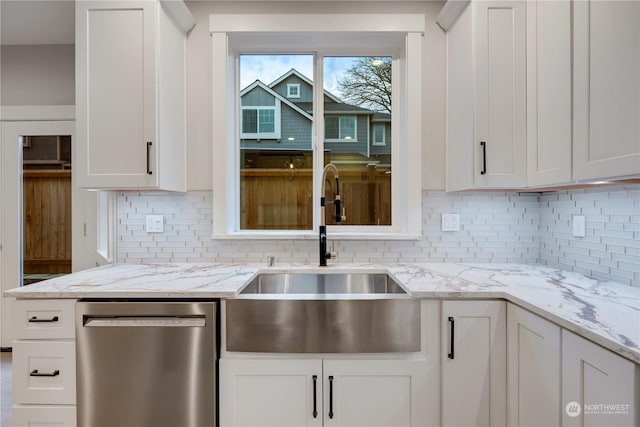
x: 257, y: 97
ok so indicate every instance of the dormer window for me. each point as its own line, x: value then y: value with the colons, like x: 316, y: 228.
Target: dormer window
x: 293, y: 90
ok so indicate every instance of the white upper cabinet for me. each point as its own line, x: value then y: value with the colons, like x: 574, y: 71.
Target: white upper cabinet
x: 548, y: 92
x: 606, y: 91
x: 513, y: 120
x: 130, y: 96
x: 486, y: 90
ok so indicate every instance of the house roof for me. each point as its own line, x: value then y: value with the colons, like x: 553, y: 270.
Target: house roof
x: 335, y: 108
x: 306, y: 108
x: 294, y: 72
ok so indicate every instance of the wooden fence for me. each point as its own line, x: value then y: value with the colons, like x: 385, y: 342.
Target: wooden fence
x: 281, y: 199
x: 47, y: 221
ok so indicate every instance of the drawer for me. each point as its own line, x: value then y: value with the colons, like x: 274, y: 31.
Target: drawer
x: 44, y: 319
x: 50, y: 416
x: 44, y: 372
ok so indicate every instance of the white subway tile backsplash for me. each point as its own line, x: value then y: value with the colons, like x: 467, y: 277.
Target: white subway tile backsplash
x: 495, y: 227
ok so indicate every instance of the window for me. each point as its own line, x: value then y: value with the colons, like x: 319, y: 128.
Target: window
x: 341, y: 131
x: 378, y: 134
x: 275, y: 177
x: 293, y: 90
x: 258, y: 121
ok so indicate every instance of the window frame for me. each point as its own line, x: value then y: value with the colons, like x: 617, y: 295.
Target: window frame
x: 396, y: 35
x: 291, y: 86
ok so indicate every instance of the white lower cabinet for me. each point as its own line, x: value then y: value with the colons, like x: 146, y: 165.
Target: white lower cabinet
x: 44, y: 369
x: 474, y: 364
x: 259, y: 392
x: 533, y: 370
x: 599, y: 388
x: 41, y: 415
x: 316, y: 392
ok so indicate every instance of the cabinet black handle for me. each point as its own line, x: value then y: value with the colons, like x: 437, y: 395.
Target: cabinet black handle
x: 35, y: 319
x: 483, y: 144
x: 35, y: 373
x: 149, y: 171
x: 330, y: 396
x: 453, y: 324
x: 315, y: 396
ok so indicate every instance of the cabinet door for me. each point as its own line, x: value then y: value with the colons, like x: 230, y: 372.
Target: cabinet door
x: 500, y: 110
x: 116, y: 94
x: 606, y: 91
x: 375, y: 393
x: 533, y: 363
x: 270, y: 393
x: 598, y: 387
x: 548, y: 92
x: 473, y: 363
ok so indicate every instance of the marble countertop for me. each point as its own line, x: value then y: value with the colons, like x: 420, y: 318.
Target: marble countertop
x: 607, y: 313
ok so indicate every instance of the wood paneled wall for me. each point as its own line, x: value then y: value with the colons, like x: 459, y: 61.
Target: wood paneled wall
x: 47, y: 221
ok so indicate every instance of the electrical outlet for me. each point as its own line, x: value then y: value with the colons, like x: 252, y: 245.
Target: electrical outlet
x: 154, y: 224
x: 579, y: 226
x: 450, y: 222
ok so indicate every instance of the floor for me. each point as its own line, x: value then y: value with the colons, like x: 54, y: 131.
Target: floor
x: 5, y: 389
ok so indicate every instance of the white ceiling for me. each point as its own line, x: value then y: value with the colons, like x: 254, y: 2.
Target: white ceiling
x: 37, y: 22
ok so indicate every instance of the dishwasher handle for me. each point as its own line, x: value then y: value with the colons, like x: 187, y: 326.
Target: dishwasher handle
x: 144, y: 321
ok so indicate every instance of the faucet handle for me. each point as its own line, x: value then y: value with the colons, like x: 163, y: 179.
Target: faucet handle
x: 344, y: 216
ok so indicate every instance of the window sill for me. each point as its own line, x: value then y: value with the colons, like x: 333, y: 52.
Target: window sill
x: 283, y: 235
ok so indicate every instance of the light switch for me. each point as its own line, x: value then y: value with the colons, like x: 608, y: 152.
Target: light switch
x: 154, y: 224
x: 579, y: 226
x: 450, y: 222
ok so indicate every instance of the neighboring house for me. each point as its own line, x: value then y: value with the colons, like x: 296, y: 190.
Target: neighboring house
x: 279, y: 117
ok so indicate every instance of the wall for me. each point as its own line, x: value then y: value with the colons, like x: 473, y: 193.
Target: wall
x: 495, y: 227
x: 611, y: 248
x: 37, y: 75
x: 200, y: 97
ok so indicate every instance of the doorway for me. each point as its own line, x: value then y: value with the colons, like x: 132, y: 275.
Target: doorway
x: 45, y: 217
x: 46, y: 206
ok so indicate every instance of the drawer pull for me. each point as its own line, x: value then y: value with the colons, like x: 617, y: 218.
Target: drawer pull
x: 35, y: 373
x: 35, y: 319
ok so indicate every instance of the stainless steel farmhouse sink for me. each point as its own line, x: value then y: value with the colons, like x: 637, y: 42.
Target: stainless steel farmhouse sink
x: 320, y: 283
x: 323, y: 313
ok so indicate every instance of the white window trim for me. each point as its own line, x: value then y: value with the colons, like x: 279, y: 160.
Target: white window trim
x: 291, y: 86
x: 407, y: 115
x: 384, y: 135
x: 355, y: 128
x: 276, y: 125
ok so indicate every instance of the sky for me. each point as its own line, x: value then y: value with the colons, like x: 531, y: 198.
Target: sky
x: 268, y: 68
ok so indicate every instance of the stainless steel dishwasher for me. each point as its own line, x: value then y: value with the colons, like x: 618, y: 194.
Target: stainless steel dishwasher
x: 145, y: 364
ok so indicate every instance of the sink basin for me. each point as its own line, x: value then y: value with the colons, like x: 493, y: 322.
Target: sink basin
x: 331, y: 283
x: 323, y: 313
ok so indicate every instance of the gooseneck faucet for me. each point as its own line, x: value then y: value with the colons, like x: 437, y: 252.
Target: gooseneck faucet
x: 324, y: 255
